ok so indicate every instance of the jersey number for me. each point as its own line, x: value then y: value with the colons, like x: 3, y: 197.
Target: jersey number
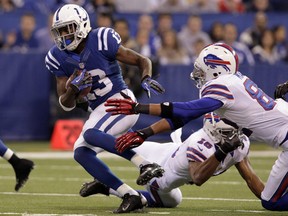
x: 116, y: 36
x: 256, y: 93
x: 205, y: 143
x: 104, y: 84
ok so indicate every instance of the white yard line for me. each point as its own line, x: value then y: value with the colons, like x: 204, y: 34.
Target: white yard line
x: 77, y: 195
x: 69, y: 154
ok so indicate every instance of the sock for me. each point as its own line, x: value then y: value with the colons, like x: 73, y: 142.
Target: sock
x: 115, y: 193
x: 8, y: 154
x: 95, y: 167
x: 106, y: 141
x: 124, y: 188
x: 14, y: 160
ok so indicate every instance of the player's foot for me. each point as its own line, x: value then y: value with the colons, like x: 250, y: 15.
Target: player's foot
x: 149, y: 171
x: 22, y: 171
x: 130, y: 203
x: 94, y: 187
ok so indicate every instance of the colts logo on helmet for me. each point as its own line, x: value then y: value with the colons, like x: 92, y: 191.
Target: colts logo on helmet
x: 213, y: 61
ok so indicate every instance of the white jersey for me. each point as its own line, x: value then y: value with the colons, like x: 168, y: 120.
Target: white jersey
x: 175, y: 158
x: 249, y: 107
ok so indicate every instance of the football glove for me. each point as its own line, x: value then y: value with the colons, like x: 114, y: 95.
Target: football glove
x: 78, y: 82
x: 129, y: 140
x: 121, y: 106
x: 281, y: 90
x: 150, y: 85
x: 231, y: 142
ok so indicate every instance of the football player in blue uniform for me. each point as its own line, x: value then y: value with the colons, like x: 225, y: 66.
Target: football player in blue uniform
x: 233, y: 96
x: 22, y: 167
x: 85, y: 64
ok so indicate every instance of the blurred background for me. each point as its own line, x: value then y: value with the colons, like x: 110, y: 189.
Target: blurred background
x: 170, y: 32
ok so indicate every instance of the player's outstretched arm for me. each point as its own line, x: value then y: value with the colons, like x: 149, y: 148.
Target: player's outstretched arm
x: 136, y: 138
x: 128, y: 107
x: 144, y: 64
x: 253, y: 181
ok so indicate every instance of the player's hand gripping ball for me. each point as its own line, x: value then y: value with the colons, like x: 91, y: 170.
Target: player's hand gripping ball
x: 81, y: 82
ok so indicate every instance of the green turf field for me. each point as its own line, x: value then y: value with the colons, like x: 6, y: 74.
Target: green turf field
x: 54, y: 184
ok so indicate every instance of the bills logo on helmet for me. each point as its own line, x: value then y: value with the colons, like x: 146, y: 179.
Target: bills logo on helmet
x: 212, y: 118
x: 213, y: 61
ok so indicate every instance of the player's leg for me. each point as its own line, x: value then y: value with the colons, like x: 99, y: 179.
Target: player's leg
x: 86, y: 157
x: 274, y: 196
x: 94, y: 187
x: 106, y: 141
x: 101, y: 125
x: 22, y: 167
x: 154, y: 196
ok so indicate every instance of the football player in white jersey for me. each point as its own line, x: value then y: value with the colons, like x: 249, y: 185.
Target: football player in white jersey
x: 233, y: 96
x: 192, y: 162
x: 84, y: 62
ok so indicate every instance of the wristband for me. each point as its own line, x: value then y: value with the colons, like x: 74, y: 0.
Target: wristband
x: 146, y: 132
x: 141, y: 108
x: 166, y: 110
x: 67, y: 109
x: 220, y: 155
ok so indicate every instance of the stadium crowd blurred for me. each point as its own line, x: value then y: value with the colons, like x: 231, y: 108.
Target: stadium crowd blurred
x: 157, y: 38
x: 155, y: 34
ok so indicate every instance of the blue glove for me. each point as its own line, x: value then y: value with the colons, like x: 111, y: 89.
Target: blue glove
x: 80, y: 81
x: 150, y: 85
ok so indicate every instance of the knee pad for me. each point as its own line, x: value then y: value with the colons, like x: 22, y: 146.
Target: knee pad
x: 89, y: 134
x: 81, y: 153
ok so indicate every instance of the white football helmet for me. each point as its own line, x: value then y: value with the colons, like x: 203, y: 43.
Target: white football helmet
x: 217, y: 129
x: 213, y: 61
x: 71, y: 24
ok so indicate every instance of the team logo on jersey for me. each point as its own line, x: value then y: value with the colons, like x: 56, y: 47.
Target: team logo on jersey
x: 213, y: 61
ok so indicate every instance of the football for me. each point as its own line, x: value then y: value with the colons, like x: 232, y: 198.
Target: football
x: 84, y: 92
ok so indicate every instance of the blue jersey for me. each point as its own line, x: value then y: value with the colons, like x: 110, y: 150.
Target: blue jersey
x: 98, y: 58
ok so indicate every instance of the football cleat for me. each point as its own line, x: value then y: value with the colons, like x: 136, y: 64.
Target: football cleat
x: 93, y: 187
x: 149, y: 171
x: 130, y: 203
x: 22, y: 171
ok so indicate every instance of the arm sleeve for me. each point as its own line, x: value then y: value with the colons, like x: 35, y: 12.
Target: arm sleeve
x: 194, y: 109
